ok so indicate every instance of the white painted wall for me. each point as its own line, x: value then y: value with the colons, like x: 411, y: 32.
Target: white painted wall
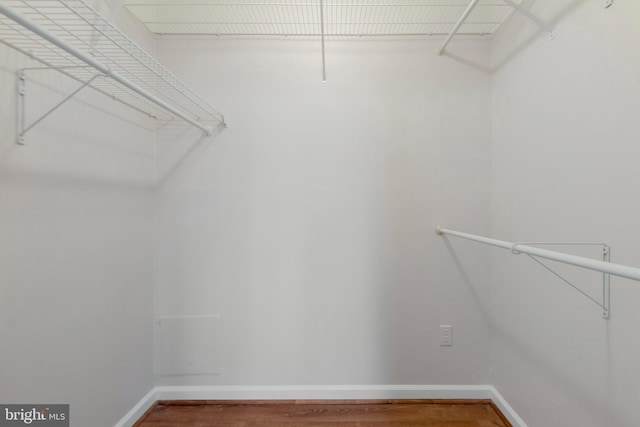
x: 565, y: 167
x: 75, y: 251
x: 308, y: 224
x: 305, y: 229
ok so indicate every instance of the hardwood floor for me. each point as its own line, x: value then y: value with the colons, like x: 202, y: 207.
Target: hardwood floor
x: 360, y: 413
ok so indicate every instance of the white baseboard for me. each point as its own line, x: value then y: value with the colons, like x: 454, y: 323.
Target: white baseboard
x: 138, y: 410
x: 336, y: 392
x: 506, y: 409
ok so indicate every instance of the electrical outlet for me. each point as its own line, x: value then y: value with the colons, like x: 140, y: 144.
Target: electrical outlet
x: 446, y: 335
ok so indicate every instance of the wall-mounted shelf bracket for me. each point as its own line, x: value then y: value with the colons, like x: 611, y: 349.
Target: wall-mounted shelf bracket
x: 23, y: 128
x: 474, y: 3
x: 72, y: 38
x: 606, y: 267
x: 606, y: 284
x: 531, y: 16
x: 604, y: 303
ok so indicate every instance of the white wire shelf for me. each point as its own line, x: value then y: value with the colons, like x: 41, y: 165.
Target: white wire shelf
x: 72, y: 38
x: 342, y: 18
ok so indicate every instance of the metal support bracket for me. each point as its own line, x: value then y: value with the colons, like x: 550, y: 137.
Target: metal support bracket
x: 606, y: 284
x: 534, y: 18
x: 473, y: 4
x: 606, y: 277
x: 23, y: 128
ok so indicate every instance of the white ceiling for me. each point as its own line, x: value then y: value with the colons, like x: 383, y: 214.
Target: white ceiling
x: 342, y: 18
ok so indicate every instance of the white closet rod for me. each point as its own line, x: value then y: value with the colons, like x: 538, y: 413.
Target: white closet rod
x: 517, y: 248
x: 106, y: 71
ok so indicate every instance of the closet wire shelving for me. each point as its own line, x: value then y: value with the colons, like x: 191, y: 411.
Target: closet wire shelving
x: 69, y: 36
x: 344, y: 19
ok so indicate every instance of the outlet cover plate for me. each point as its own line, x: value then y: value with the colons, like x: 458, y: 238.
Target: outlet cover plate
x: 446, y: 335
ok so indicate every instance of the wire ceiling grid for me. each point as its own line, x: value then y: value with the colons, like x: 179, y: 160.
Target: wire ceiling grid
x: 342, y: 18
x: 84, y: 30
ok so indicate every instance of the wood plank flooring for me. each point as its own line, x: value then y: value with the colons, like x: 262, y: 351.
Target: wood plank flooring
x: 352, y: 413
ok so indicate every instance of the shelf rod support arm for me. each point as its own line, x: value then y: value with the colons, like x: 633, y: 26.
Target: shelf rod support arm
x: 531, y: 16
x: 106, y: 71
x: 606, y: 284
x: 559, y: 276
x: 605, y: 266
x: 22, y: 93
x: 461, y: 20
x: 620, y: 270
x: 63, y: 70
